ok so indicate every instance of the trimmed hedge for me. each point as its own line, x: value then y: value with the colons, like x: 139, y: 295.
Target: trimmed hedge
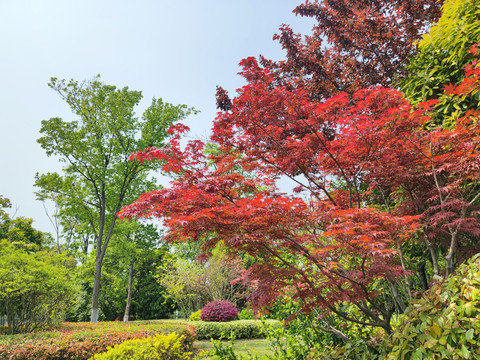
x: 241, y: 329
x: 80, y: 341
x: 160, y: 347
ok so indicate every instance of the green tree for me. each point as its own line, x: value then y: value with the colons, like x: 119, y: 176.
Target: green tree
x: 442, y: 55
x: 98, y: 177
x: 19, y: 229
x: 184, y: 283
x: 35, y: 288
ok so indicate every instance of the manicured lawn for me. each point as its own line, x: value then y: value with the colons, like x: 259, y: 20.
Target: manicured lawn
x: 259, y: 346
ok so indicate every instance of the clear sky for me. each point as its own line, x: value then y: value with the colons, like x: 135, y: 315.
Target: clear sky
x: 176, y: 50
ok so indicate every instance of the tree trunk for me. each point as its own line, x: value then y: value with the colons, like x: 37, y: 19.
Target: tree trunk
x: 129, y: 294
x: 450, y: 258
x: 422, y: 275
x: 96, y: 288
x: 397, y: 297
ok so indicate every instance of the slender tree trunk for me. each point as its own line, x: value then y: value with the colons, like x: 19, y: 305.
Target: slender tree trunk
x: 96, y: 288
x: 129, y: 294
x: 397, y: 297
x: 433, y: 255
x: 422, y: 275
x: 407, y: 281
x: 450, y: 259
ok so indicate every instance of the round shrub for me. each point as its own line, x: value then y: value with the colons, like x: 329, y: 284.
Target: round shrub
x: 195, y: 316
x: 219, y: 311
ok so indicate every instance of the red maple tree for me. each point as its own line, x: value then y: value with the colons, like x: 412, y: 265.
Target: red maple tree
x: 371, y: 171
x: 355, y: 44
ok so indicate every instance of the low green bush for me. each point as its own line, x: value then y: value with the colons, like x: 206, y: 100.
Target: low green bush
x: 358, y: 350
x: 241, y: 329
x: 79, y: 341
x: 161, y: 347
x: 246, y: 314
x: 445, y: 323
x: 195, y: 316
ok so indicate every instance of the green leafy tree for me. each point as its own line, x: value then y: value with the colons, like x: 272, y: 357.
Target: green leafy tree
x: 19, y: 229
x: 35, y: 287
x: 183, y: 281
x: 98, y: 177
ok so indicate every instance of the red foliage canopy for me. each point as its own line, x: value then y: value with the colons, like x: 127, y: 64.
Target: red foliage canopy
x: 350, y: 156
x: 355, y: 44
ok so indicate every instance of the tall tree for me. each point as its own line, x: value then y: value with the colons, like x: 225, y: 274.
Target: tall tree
x: 98, y: 178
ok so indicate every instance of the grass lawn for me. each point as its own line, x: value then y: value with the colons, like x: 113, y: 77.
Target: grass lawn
x: 258, y: 346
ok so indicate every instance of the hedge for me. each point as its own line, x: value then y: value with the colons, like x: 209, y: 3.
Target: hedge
x: 241, y: 329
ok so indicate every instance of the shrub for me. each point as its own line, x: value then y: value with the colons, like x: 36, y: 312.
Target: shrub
x: 80, y: 341
x: 35, y: 288
x: 195, y: 316
x: 219, y: 311
x: 357, y: 350
x: 246, y: 314
x: 161, y: 347
x: 445, y: 323
x: 241, y: 329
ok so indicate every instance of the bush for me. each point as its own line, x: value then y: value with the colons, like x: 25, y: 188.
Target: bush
x: 445, y: 323
x: 241, y: 329
x: 161, y: 347
x: 246, y: 314
x: 195, y: 316
x: 35, y: 288
x: 80, y: 341
x: 358, y: 350
x: 219, y: 311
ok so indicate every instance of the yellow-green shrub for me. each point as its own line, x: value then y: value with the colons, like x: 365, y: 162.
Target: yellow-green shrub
x: 161, y: 347
x: 195, y: 316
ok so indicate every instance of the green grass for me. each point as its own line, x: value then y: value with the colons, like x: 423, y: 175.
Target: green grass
x: 256, y: 346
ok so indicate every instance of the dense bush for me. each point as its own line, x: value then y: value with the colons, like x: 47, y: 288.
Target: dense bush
x: 35, y: 287
x: 219, y: 311
x: 358, y: 350
x: 161, y: 347
x: 82, y: 340
x: 241, y: 329
x: 195, y: 316
x: 246, y: 314
x: 445, y: 324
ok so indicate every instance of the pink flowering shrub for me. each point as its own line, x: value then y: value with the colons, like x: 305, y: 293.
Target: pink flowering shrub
x: 219, y: 311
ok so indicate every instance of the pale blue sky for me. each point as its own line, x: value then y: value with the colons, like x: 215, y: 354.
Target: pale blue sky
x: 176, y: 50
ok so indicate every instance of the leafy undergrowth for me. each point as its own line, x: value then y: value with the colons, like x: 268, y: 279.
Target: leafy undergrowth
x: 79, y: 341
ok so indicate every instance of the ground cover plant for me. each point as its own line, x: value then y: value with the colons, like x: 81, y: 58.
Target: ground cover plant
x: 83, y: 340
